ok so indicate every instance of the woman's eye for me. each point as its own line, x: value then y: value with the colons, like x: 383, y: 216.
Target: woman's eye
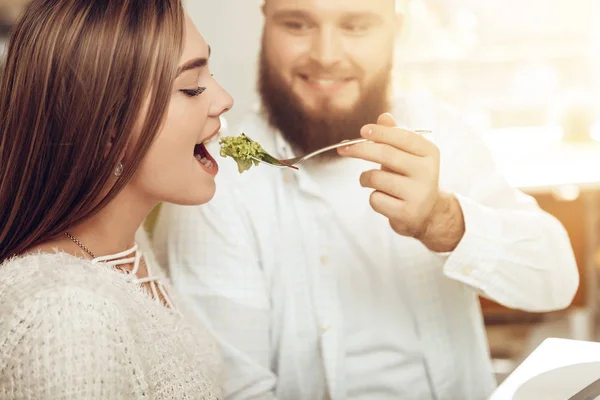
x: 193, y: 92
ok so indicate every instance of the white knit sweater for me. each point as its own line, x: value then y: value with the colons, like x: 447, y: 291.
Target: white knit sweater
x: 70, y: 329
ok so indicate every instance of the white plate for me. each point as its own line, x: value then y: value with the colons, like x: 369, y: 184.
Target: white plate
x: 560, y: 383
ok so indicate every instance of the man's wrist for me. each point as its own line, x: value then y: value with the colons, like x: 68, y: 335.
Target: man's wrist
x: 445, y: 227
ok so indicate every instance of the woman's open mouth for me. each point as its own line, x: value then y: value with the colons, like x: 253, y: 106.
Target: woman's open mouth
x: 204, y: 158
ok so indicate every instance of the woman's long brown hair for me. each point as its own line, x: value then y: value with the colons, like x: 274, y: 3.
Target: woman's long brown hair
x: 78, y: 75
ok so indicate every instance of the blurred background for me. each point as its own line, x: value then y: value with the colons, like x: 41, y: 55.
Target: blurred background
x: 526, y: 73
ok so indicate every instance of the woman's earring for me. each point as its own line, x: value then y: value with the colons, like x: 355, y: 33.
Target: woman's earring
x: 119, y: 170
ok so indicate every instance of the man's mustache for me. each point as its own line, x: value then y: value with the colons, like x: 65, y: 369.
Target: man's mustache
x: 334, y: 73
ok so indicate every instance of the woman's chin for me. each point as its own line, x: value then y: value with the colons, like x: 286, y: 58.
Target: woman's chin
x: 195, y: 196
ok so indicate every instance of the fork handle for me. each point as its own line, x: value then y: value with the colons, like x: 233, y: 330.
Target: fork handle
x: 333, y: 146
x: 347, y: 143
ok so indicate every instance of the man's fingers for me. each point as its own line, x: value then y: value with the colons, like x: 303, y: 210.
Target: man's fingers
x: 395, y: 185
x: 396, y: 160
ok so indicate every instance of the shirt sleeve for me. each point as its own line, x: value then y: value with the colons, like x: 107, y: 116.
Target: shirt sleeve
x: 512, y: 251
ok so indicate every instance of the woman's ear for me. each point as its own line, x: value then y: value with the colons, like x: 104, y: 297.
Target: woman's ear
x: 126, y: 149
x: 109, y: 145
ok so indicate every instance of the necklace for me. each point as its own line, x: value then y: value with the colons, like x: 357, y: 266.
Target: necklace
x: 79, y: 244
x: 116, y: 260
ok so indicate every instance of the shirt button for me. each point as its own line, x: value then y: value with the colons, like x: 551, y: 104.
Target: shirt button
x: 324, y: 260
x: 467, y: 270
x: 325, y: 328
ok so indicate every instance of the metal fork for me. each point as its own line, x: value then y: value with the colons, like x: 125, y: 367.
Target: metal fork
x: 292, y: 162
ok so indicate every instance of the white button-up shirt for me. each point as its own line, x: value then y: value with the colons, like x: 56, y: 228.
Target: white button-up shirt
x: 313, y: 296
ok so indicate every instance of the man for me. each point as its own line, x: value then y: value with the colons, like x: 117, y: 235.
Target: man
x: 357, y: 277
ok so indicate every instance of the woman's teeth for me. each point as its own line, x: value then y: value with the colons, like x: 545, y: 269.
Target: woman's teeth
x: 200, y: 153
x: 204, y: 161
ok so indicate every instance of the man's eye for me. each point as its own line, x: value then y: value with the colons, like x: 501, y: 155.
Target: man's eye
x: 297, y: 26
x: 356, y: 28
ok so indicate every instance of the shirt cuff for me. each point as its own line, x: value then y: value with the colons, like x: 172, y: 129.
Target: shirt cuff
x: 472, y: 261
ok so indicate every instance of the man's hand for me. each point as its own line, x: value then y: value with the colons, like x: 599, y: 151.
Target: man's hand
x: 407, y: 185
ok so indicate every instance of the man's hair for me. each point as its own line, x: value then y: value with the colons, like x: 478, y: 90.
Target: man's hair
x: 401, y: 5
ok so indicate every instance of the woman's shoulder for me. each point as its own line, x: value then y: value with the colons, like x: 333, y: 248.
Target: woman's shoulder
x: 36, y: 277
x: 46, y: 290
x: 54, y: 306
x: 39, y: 267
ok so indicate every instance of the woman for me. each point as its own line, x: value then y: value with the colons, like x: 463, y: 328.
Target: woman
x: 105, y: 106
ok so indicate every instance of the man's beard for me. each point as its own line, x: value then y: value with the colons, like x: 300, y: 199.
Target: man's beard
x: 308, y: 130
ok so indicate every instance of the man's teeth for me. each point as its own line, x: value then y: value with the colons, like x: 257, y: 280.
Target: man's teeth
x: 324, y: 82
x: 204, y: 161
